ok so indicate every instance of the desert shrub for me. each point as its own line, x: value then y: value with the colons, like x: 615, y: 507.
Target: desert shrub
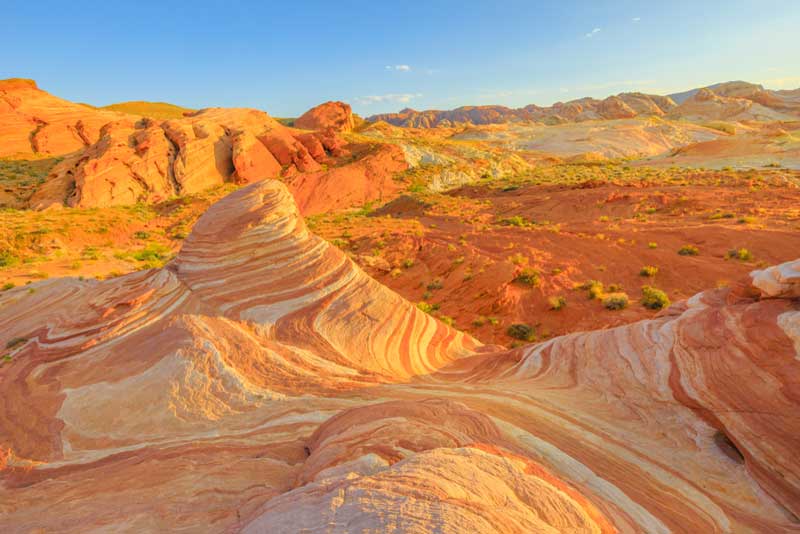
x: 515, y: 220
x: 740, y: 254
x: 521, y: 331
x: 721, y: 215
x: 8, y: 285
x: 141, y: 235
x: 408, y: 263
x: 615, y: 301
x: 7, y: 258
x: 446, y: 319
x: 16, y: 342
x: 427, y: 308
x: 649, y: 271
x: 688, y: 250
x: 652, y: 244
x: 594, y: 287
x: 528, y: 276
x: 90, y: 253
x: 557, y: 303
x: 654, y: 299
x: 152, y: 252
x: 435, y: 284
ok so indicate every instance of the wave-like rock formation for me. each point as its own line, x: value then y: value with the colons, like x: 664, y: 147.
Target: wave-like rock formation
x: 261, y: 382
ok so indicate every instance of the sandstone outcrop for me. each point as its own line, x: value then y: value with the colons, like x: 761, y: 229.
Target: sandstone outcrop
x: 33, y: 121
x: 149, y: 161
x: 336, y: 116
x: 262, y: 382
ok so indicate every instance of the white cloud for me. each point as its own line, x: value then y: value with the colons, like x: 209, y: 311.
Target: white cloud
x: 636, y: 19
x: 402, y: 98
x: 592, y: 33
x: 401, y: 68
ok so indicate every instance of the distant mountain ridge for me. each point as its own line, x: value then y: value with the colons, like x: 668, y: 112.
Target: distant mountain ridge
x: 736, y: 100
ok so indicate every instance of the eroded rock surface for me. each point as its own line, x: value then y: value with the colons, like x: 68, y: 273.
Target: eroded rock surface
x: 336, y: 116
x: 262, y: 382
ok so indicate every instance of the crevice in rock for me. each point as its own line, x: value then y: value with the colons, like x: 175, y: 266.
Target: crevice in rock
x: 174, y: 152
x: 727, y: 446
x: 32, y: 137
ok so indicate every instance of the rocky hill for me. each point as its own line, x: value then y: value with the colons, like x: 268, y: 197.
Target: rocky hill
x: 624, y: 105
x: 262, y: 382
x: 730, y: 101
x: 154, y: 151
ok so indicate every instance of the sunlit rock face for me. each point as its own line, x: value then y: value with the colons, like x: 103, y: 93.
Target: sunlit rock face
x: 336, y: 116
x: 261, y: 382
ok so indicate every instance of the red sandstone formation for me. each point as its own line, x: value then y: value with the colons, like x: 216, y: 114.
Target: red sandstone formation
x: 262, y: 382
x: 331, y: 115
x: 149, y: 161
x: 35, y: 122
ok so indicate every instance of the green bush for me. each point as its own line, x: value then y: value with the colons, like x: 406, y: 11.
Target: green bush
x: 528, y: 276
x: 649, y: 271
x: 435, y: 284
x: 557, y: 303
x: 740, y: 254
x: 688, y: 250
x: 515, y: 220
x: 427, y: 308
x: 653, y: 298
x: 616, y: 301
x: 594, y: 287
x: 446, y: 319
x: 521, y: 331
x: 7, y: 258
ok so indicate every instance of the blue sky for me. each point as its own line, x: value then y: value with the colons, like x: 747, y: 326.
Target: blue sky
x: 285, y: 57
